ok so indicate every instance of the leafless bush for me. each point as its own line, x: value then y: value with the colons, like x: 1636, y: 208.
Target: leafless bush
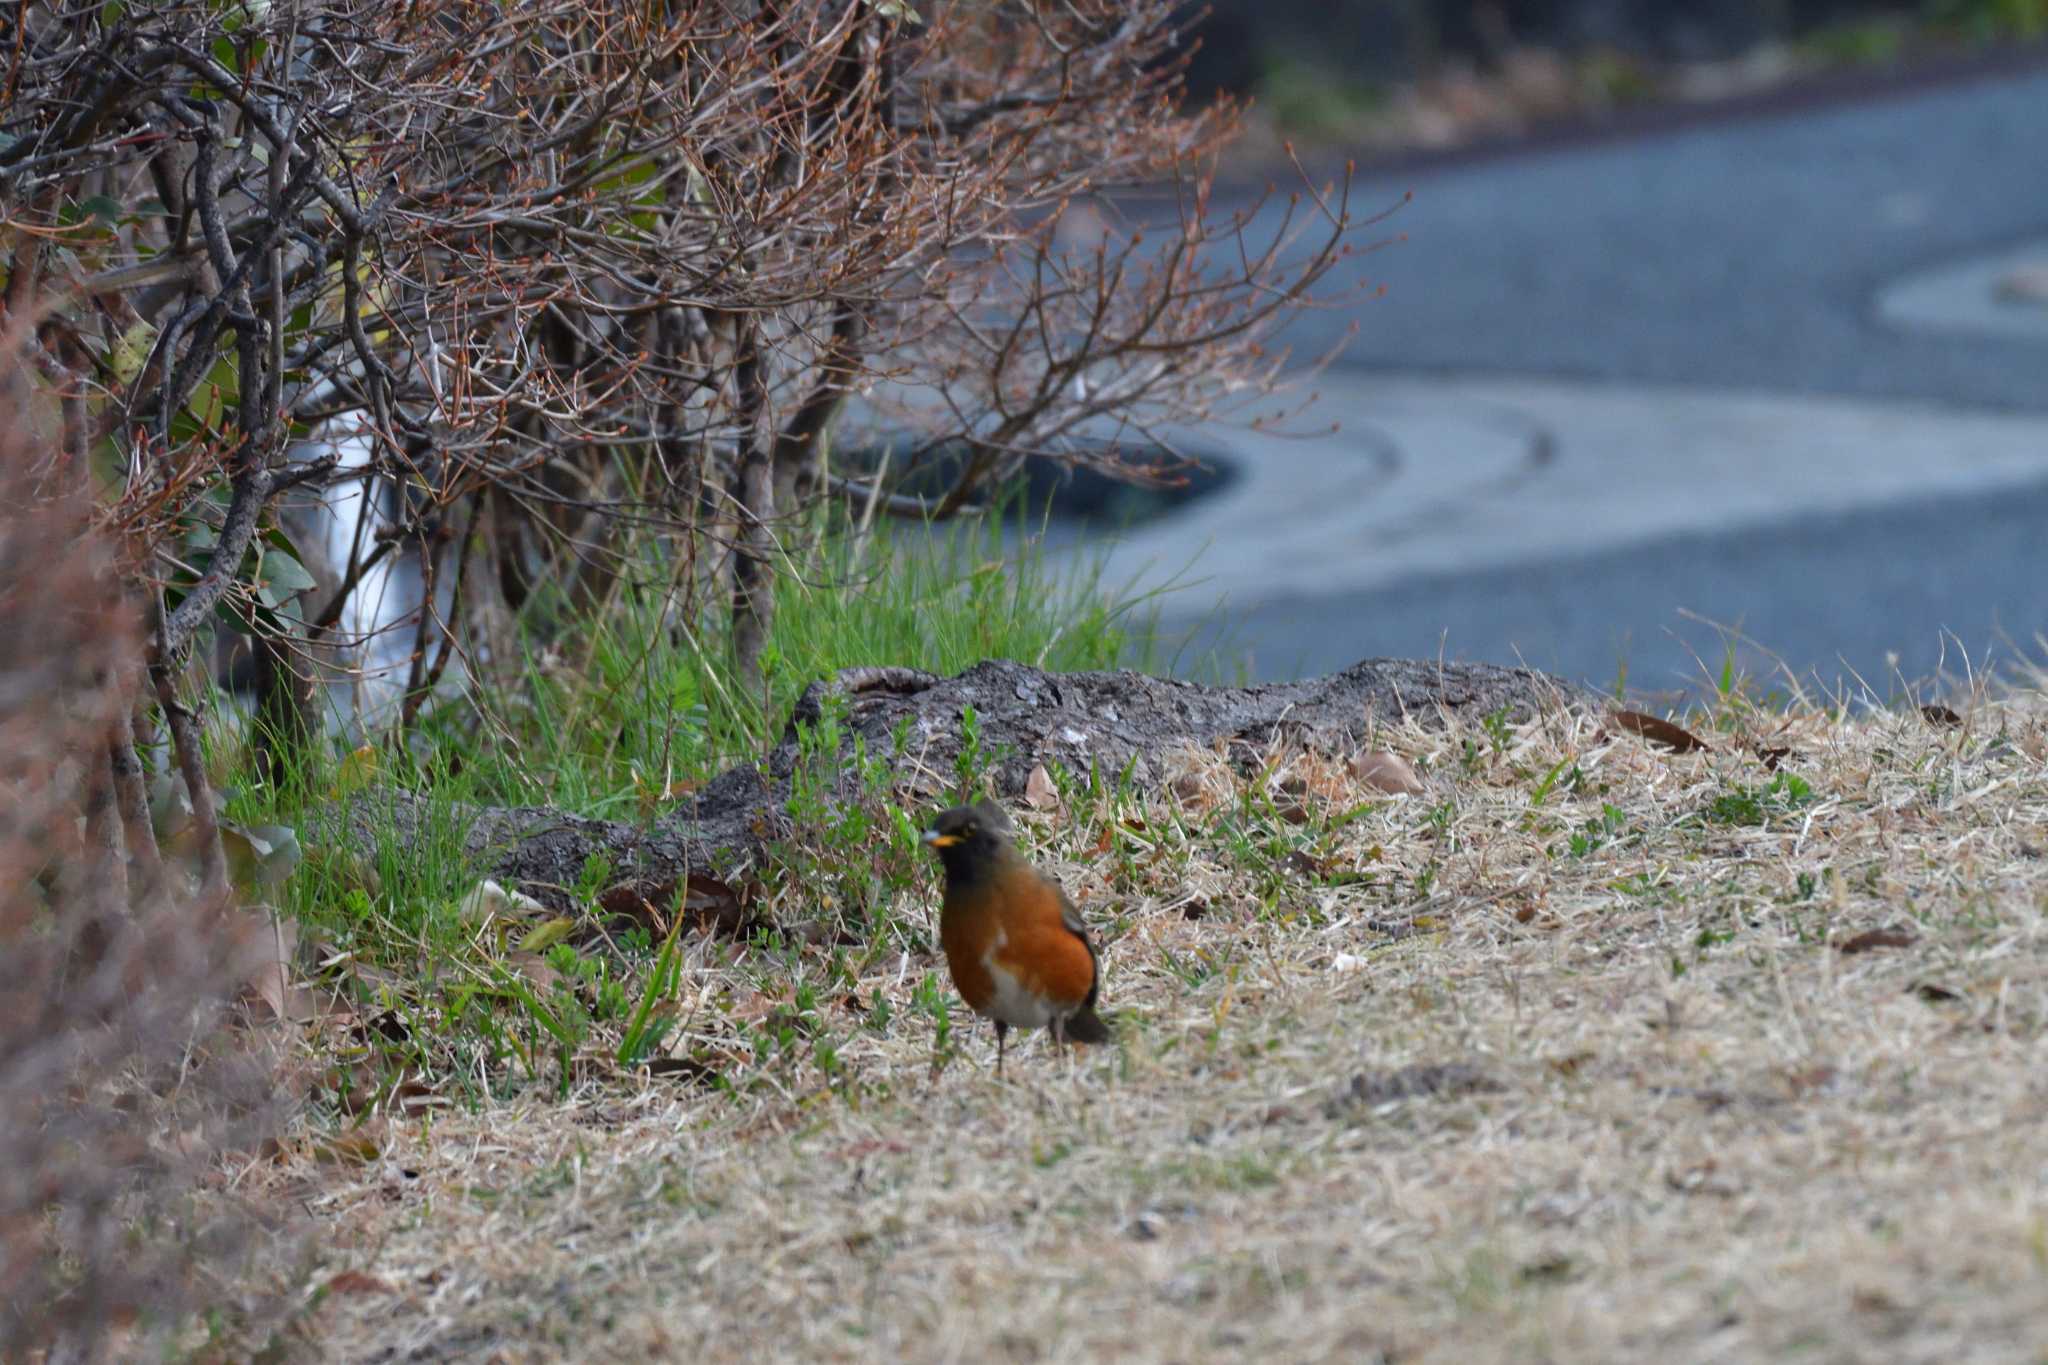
x: 577, y: 278
x: 117, y: 1090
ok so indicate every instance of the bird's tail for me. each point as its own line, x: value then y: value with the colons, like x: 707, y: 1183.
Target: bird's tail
x: 1085, y: 1026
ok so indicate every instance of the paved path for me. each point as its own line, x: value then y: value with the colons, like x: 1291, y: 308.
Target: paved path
x: 1753, y: 371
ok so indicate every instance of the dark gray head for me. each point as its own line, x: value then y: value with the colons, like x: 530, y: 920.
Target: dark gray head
x: 970, y: 838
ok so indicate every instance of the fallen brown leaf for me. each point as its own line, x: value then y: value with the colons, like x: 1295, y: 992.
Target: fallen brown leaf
x: 1384, y: 772
x: 356, y: 1147
x: 356, y: 1282
x: 269, y: 984
x: 1297, y: 861
x: 1039, y: 792
x: 1936, y: 714
x: 534, y: 968
x: 709, y: 905
x: 1659, y: 731
x: 1878, y: 938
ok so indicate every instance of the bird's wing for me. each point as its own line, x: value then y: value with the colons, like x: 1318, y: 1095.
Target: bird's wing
x: 1071, y: 917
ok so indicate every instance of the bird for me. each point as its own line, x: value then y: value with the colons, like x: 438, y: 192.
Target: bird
x: 1018, y: 950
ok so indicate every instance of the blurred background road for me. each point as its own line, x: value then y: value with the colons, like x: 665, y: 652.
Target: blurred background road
x: 1783, y: 368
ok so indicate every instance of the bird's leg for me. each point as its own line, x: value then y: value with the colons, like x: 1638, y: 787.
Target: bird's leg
x: 1059, y: 1034
x: 1002, y: 1032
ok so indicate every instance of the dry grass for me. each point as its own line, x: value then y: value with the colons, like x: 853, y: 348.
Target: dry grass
x: 1445, y: 1087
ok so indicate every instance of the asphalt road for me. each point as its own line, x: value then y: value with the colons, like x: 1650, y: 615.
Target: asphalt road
x: 1746, y: 256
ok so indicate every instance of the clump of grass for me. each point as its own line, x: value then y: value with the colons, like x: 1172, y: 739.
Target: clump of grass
x: 626, y: 704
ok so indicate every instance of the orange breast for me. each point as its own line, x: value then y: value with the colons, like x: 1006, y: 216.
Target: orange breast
x: 1014, y: 922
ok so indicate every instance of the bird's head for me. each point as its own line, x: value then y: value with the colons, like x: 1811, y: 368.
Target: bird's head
x: 970, y: 838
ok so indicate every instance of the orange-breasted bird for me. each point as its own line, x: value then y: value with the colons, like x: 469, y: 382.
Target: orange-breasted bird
x: 1016, y: 946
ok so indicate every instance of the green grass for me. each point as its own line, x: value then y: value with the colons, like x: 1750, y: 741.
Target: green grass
x: 1310, y: 101
x: 1991, y: 20
x: 624, y: 706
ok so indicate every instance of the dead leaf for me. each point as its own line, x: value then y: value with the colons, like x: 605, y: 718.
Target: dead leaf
x: 270, y: 983
x: 356, y: 1147
x: 635, y: 903
x: 1385, y: 772
x: 683, y: 1069
x: 1659, y: 731
x: 356, y: 1282
x: 534, y: 968
x: 1772, y: 755
x: 1934, y: 992
x: 708, y: 905
x: 1039, y: 792
x: 487, y: 900
x: 1937, y: 714
x: 1297, y: 861
x: 1878, y: 938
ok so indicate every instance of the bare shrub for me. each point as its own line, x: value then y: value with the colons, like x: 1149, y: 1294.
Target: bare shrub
x: 581, y: 288
x: 118, y: 1089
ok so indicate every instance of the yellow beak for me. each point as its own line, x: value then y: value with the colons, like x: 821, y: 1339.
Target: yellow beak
x: 934, y: 839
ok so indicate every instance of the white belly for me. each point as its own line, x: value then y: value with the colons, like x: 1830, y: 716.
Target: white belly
x: 1012, y: 1004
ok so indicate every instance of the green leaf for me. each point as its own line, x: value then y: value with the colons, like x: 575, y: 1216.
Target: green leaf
x: 103, y: 207
x: 260, y: 855
x: 282, y: 575
x: 131, y: 352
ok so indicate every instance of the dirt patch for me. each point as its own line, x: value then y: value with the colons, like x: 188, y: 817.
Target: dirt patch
x: 919, y: 726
